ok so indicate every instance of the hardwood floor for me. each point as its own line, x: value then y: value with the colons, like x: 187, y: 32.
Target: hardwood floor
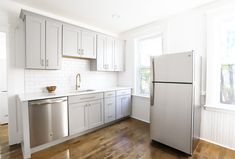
x: 128, y: 139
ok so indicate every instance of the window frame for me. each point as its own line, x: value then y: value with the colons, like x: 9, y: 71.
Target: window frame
x: 214, y: 20
x: 137, y: 61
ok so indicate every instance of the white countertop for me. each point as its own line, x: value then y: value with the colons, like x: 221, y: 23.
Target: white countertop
x: 44, y: 95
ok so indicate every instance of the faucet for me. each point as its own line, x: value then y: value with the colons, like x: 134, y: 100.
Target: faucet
x: 78, y: 81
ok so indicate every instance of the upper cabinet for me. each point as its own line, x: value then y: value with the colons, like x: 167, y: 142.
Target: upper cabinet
x: 78, y: 42
x: 48, y: 39
x: 43, y: 43
x: 53, y: 45
x: 119, y: 59
x: 110, y: 54
x: 88, y: 44
x: 35, y: 42
x: 71, y: 41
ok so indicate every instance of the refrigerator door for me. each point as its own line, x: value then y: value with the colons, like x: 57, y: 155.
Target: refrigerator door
x: 3, y: 108
x: 174, y: 68
x: 171, y: 116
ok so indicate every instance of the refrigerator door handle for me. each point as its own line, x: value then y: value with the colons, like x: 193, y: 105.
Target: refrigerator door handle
x: 152, y: 83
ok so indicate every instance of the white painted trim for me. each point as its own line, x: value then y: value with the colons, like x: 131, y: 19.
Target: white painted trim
x: 217, y: 144
x: 140, y: 119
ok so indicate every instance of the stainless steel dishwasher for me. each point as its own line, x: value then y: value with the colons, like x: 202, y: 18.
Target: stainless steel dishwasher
x: 48, y: 120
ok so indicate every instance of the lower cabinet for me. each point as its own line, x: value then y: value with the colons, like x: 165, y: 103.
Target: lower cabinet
x: 123, y: 106
x: 92, y: 110
x: 109, y: 109
x: 95, y: 113
x: 78, y: 117
x: 84, y: 116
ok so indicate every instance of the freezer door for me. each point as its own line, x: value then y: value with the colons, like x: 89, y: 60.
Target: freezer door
x: 174, y: 68
x: 171, y: 116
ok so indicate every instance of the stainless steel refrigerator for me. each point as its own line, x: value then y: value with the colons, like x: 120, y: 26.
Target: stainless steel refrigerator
x: 175, y: 100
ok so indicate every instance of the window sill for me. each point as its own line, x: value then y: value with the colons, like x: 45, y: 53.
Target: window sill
x: 220, y: 108
x: 141, y: 96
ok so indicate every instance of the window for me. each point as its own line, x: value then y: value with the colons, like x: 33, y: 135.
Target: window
x: 146, y: 47
x: 221, y: 61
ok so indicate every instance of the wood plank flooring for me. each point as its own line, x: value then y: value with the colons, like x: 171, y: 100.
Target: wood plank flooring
x: 128, y: 139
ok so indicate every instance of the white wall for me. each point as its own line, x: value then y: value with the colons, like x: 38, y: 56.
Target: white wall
x: 64, y: 79
x: 183, y: 32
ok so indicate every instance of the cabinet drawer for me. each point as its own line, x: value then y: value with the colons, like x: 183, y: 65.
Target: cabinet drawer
x: 85, y: 97
x: 109, y: 94
x: 123, y: 92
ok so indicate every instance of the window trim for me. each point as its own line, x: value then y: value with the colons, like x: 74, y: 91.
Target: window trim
x: 212, y: 103
x: 137, y: 60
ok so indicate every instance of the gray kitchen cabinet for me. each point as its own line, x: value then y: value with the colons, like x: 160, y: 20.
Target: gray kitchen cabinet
x: 53, y: 45
x: 35, y: 42
x: 119, y: 59
x: 110, y: 54
x: 78, y: 117
x: 109, y: 109
x: 109, y: 106
x: 99, y: 63
x: 43, y: 43
x: 71, y: 41
x: 85, y: 112
x: 95, y: 113
x: 123, y: 106
x: 78, y: 42
x: 88, y: 44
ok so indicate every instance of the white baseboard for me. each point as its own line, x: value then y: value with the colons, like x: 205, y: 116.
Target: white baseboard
x: 140, y: 119
x: 218, y: 144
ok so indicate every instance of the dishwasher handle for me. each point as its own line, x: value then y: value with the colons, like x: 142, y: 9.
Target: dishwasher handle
x: 48, y: 101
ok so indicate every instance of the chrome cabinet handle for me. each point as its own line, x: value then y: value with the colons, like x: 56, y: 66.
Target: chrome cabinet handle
x: 151, y: 83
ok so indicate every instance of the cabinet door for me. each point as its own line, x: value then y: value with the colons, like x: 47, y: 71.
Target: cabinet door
x: 88, y: 44
x: 35, y: 43
x: 123, y: 106
x: 78, y: 117
x: 95, y: 113
x: 119, y: 107
x: 126, y: 105
x: 71, y: 41
x: 109, y: 109
x: 119, y: 55
x: 109, y: 56
x: 101, y: 52
x: 53, y: 45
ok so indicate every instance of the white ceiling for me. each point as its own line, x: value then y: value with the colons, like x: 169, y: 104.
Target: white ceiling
x: 98, y: 13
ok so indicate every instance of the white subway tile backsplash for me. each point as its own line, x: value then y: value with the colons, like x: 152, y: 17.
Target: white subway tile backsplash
x: 64, y: 79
